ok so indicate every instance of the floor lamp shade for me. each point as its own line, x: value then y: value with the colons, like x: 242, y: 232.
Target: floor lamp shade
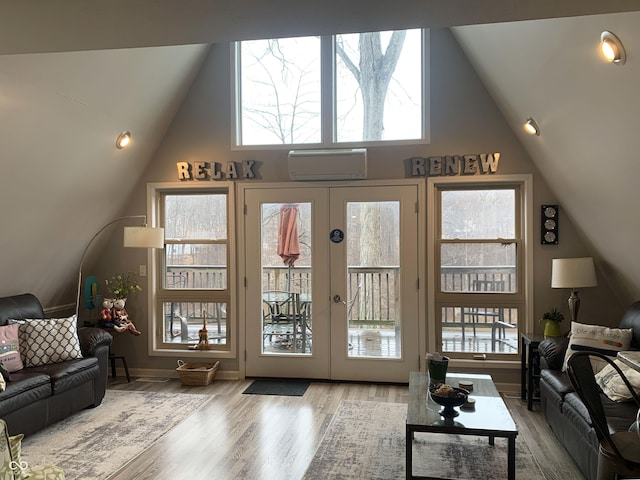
x: 573, y: 273
x: 143, y: 237
x: 140, y: 237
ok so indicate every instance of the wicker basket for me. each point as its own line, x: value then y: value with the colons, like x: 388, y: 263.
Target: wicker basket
x: 196, y: 373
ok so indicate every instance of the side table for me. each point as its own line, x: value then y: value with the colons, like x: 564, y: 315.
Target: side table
x: 529, y: 366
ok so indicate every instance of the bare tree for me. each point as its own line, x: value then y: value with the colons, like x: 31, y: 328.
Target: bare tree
x: 288, y: 105
x: 374, y: 72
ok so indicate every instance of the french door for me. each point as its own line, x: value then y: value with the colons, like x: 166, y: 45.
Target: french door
x: 331, y: 281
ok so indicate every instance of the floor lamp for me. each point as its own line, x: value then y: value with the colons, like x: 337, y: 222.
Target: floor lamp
x: 573, y: 273
x: 137, y: 237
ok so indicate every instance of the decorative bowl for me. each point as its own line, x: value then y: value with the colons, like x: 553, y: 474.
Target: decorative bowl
x: 453, y: 397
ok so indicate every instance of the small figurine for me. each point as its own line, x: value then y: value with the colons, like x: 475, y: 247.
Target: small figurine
x: 203, y: 335
x: 106, y: 314
x: 121, y: 318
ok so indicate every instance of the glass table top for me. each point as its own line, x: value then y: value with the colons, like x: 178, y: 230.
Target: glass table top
x: 489, y: 414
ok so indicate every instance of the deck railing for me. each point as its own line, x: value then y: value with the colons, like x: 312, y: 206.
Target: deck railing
x: 372, y: 293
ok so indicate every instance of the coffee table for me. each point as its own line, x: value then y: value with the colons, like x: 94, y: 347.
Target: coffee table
x: 489, y: 418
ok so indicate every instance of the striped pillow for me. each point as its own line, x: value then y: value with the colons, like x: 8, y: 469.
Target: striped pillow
x: 604, y: 340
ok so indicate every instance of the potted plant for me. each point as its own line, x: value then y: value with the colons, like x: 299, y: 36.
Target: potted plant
x: 122, y: 285
x: 552, y: 320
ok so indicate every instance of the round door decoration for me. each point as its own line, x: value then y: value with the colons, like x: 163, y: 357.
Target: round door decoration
x: 336, y: 235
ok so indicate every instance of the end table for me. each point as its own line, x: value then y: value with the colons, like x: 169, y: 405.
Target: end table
x: 529, y: 366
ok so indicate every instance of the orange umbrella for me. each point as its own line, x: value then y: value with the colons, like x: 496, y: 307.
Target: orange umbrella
x: 288, y: 240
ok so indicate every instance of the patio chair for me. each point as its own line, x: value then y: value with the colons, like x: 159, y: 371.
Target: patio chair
x: 491, y: 316
x: 619, y: 456
x: 286, y: 316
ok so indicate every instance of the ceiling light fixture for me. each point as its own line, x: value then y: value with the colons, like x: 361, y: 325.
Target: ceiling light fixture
x: 612, y: 48
x: 531, y: 127
x: 123, y: 139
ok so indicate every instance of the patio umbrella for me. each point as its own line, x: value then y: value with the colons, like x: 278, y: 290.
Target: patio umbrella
x: 288, y: 239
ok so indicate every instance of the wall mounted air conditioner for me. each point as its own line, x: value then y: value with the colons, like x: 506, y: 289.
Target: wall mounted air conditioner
x: 335, y: 164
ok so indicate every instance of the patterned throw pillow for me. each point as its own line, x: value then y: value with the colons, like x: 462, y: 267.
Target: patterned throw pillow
x: 612, y: 384
x: 9, y: 348
x: 51, y: 340
x: 604, y: 340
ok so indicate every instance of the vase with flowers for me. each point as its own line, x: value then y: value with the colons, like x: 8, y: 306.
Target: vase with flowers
x: 552, y: 320
x: 122, y: 285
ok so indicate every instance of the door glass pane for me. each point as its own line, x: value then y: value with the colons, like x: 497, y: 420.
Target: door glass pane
x: 479, y: 329
x: 373, y: 279
x: 287, y: 324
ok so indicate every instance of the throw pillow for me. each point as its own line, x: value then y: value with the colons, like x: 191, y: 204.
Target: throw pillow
x: 604, y: 340
x: 612, y: 385
x: 10, y: 348
x: 52, y: 340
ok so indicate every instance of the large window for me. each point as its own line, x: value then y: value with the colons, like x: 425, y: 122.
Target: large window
x: 373, y: 92
x: 192, y: 272
x: 479, y: 250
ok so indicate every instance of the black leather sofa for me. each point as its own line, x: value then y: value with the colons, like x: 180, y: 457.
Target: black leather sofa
x: 36, y: 397
x: 564, y: 411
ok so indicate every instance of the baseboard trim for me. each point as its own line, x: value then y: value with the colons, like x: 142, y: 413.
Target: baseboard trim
x: 161, y: 373
x: 508, y: 389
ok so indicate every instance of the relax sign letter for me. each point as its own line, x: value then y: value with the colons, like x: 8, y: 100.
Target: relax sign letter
x: 482, y: 163
x: 215, y: 170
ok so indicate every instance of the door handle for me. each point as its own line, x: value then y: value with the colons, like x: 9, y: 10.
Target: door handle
x: 337, y: 299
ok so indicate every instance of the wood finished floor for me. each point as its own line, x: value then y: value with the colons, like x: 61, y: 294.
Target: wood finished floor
x: 261, y: 437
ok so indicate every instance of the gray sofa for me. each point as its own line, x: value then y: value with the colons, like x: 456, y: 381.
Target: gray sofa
x: 564, y: 411
x: 36, y: 397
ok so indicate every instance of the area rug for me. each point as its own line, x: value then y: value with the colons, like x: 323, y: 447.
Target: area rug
x: 366, y: 440
x: 95, y: 443
x: 278, y: 386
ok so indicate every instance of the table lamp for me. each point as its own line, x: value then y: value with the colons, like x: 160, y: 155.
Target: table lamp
x: 573, y: 273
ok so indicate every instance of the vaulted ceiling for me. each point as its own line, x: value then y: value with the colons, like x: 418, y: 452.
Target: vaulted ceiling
x: 64, y: 98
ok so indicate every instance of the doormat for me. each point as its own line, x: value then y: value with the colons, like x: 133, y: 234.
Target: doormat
x: 278, y: 386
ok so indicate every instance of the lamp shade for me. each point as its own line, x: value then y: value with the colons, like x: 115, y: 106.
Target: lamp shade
x: 573, y: 273
x: 143, y: 237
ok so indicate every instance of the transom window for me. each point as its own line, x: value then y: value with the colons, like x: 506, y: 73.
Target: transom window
x: 373, y: 91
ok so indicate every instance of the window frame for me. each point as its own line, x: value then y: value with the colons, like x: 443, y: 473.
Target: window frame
x: 520, y: 300
x: 327, y: 102
x: 158, y: 294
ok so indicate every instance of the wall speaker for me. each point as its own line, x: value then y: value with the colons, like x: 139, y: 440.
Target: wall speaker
x: 549, y: 232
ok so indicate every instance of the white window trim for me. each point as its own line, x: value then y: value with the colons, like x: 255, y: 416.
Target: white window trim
x: 327, y: 121
x: 154, y: 191
x: 433, y: 183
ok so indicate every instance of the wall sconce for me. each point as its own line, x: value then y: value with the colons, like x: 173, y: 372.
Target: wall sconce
x: 531, y: 127
x: 123, y: 139
x: 612, y: 48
